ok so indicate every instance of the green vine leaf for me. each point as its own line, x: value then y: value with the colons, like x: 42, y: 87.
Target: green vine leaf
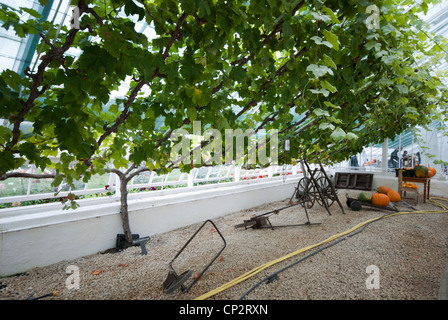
x: 319, y: 71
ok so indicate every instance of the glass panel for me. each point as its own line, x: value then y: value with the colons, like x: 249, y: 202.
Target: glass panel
x: 100, y: 182
x: 13, y: 187
x: 42, y: 185
x: 142, y: 178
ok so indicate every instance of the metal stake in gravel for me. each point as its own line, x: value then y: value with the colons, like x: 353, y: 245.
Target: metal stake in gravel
x: 175, y: 281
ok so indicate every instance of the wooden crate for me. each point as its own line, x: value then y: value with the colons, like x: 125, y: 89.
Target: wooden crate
x: 351, y: 180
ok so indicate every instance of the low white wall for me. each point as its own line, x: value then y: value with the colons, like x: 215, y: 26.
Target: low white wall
x: 41, y: 235
x: 45, y: 234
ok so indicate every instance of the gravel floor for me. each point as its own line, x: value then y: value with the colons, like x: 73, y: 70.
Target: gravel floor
x: 409, y: 251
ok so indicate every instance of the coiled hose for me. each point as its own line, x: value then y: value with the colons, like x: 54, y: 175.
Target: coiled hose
x: 437, y: 201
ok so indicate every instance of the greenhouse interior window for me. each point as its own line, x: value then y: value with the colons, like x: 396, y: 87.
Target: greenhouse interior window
x: 122, y: 122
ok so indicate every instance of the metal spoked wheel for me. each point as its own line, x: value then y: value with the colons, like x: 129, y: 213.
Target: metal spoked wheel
x: 174, y: 282
x: 305, y: 192
x: 325, y: 192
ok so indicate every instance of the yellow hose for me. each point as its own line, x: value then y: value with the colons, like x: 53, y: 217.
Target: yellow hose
x: 251, y: 273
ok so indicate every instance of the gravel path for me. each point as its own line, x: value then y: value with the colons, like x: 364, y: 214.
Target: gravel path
x: 408, y: 252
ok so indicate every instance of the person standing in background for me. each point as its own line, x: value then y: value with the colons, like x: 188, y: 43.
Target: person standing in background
x: 404, y: 159
x: 394, y: 159
x: 353, y: 163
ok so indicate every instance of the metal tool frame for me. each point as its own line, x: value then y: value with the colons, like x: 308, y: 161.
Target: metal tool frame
x: 175, y: 281
x: 262, y: 221
x: 307, y: 191
x: 316, y: 186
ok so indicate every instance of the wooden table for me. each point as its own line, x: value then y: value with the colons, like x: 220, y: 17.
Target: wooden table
x: 426, y: 185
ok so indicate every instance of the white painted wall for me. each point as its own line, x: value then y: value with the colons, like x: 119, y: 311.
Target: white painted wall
x: 41, y: 235
x: 45, y: 234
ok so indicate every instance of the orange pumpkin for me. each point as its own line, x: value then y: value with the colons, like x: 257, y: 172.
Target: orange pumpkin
x: 380, y: 199
x: 409, y: 185
x: 431, y: 172
x: 383, y: 189
x: 394, y: 196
